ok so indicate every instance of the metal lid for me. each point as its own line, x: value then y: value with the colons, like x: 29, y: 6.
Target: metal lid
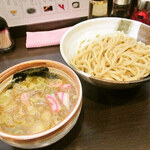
x: 144, y: 4
x: 122, y: 2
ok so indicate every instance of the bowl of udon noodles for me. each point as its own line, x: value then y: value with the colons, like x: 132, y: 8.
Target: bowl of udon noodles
x: 40, y: 102
x: 109, y: 52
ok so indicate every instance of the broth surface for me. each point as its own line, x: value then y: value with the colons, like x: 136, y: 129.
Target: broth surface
x: 36, y: 103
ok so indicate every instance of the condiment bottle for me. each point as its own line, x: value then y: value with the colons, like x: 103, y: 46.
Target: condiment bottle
x: 121, y: 8
x: 98, y: 8
x: 6, y: 42
x: 142, y: 12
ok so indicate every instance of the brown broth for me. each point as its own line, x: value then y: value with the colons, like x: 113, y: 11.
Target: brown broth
x: 36, y: 104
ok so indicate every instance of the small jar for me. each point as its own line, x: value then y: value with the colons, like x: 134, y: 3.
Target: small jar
x: 121, y: 8
x: 98, y: 8
x: 6, y: 42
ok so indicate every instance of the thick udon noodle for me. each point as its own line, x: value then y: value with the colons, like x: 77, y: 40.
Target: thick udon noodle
x: 113, y: 56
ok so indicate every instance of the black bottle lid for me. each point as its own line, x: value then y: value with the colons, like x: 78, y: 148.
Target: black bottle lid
x: 3, y: 24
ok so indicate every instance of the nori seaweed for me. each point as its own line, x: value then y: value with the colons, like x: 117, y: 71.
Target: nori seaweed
x: 38, y: 71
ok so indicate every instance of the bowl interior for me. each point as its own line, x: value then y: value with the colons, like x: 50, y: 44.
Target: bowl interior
x: 6, y: 76
x: 90, y: 28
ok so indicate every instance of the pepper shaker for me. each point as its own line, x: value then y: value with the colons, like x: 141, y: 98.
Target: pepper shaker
x: 6, y: 41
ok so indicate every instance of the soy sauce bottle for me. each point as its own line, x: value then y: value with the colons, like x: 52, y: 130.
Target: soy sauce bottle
x: 121, y: 8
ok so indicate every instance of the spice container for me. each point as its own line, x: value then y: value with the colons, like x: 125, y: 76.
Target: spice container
x: 142, y: 12
x: 6, y: 42
x: 98, y: 8
x: 121, y: 8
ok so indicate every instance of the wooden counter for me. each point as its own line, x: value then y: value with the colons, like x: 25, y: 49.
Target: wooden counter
x: 109, y: 120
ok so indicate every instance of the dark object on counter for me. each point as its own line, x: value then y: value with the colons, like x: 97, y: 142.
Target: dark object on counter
x: 6, y: 42
x: 121, y: 8
x: 142, y: 12
x: 98, y: 8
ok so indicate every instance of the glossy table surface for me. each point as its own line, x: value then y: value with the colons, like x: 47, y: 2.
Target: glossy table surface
x: 109, y: 120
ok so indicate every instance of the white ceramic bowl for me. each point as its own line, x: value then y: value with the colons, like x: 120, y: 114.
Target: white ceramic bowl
x: 88, y: 28
x: 54, y: 134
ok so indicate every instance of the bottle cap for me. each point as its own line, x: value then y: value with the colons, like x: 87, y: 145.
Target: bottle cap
x: 3, y: 24
x: 144, y: 4
x: 122, y: 2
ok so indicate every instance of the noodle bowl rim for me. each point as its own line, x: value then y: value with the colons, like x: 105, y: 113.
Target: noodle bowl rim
x: 67, y: 60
